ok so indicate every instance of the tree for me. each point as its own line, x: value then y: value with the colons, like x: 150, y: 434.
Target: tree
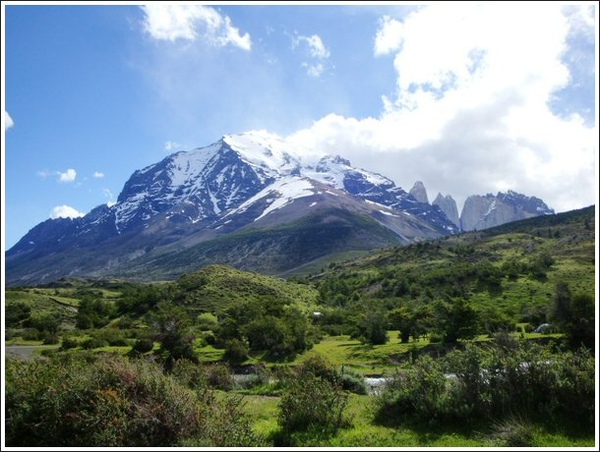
x: 93, y: 313
x: 265, y: 324
x: 172, y: 326
x: 456, y: 320
x: 403, y: 319
x: 574, y: 316
x: 582, y: 329
x: 372, y: 328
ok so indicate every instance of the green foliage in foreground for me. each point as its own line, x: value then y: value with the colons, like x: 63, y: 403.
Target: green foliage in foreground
x: 109, y: 401
x: 495, y: 383
x: 500, y: 394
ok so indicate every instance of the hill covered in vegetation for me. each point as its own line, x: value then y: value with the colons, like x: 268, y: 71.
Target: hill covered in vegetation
x: 508, y: 313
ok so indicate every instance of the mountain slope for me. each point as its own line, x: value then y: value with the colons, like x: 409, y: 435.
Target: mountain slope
x: 246, y: 200
x: 510, y: 271
x: 482, y: 212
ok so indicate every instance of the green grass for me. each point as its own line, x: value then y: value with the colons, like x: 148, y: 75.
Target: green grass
x: 264, y: 411
x: 367, y: 359
x: 208, y: 353
x: 363, y: 432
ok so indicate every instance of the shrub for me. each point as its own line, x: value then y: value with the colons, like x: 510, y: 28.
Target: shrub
x: 493, y: 383
x: 31, y: 334
x: 108, y: 401
x: 513, y: 432
x: 318, y: 366
x: 68, y: 343
x: 226, y: 424
x: 219, y: 376
x: 352, y: 381
x: 311, y: 404
x: 50, y: 338
x: 141, y: 346
x: 94, y: 342
x: 190, y: 374
x: 236, y: 350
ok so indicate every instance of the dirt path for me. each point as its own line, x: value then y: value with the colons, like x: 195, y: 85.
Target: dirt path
x: 24, y: 351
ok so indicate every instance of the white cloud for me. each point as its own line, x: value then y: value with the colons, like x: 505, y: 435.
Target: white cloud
x: 316, y: 47
x: 471, y: 113
x: 65, y: 211
x: 43, y: 174
x: 68, y: 176
x: 389, y: 36
x: 98, y: 175
x: 315, y: 51
x: 192, y: 22
x: 8, y: 122
x: 172, y: 146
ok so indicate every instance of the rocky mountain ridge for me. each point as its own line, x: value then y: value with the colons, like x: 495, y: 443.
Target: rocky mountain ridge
x: 209, y: 203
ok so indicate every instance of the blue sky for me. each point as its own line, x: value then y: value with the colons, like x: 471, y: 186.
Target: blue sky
x: 467, y: 99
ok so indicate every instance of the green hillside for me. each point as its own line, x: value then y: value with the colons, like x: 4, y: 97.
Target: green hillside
x: 217, y: 287
x: 449, y: 323
x: 511, y: 271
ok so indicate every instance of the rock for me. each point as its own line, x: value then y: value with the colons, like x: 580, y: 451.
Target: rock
x: 419, y: 193
x: 448, y: 205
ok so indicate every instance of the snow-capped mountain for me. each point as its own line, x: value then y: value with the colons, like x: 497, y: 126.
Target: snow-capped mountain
x: 249, y: 200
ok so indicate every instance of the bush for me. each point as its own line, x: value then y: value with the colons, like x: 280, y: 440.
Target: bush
x: 313, y: 401
x: 352, y: 381
x: 190, y: 374
x: 69, y: 342
x: 110, y: 401
x: 94, y: 342
x: 318, y: 366
x: 31, y: 334
x: 493, y: 383
x: 514, y: 432
x: 226, y: 424
x: 51, y: 339
x: 219, y: 376
x: 142, y: 345
x: 236, y: 350
x: 311, y: 404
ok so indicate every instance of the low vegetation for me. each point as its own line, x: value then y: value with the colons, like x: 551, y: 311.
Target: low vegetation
x: 484, y: 339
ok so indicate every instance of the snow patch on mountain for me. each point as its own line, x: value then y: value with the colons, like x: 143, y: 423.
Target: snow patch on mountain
x: 277, y: 195
x: 187, y: 166
x: 263, y: 150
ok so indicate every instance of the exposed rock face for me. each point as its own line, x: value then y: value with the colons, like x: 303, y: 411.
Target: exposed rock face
x: 250, y: 201
x: 238, y: 185
x: 482, y: 212
x: 419, y: 192
x: 448, y: 206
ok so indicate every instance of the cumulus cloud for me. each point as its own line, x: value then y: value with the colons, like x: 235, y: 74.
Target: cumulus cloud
x: 8, y: 122
x: 173, y: 146
x: 389, y: 36
x: 171, y: 22
x: 98, y: 175
x: 472, y: 112
x: 68, y: 176
x: 316, y: 53
x: 65, y: 211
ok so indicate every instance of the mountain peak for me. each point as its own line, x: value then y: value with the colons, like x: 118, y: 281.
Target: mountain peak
x: 240, y: 193
x: 419, y: 192
x: 448, y: 206
x: 482, y: 212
